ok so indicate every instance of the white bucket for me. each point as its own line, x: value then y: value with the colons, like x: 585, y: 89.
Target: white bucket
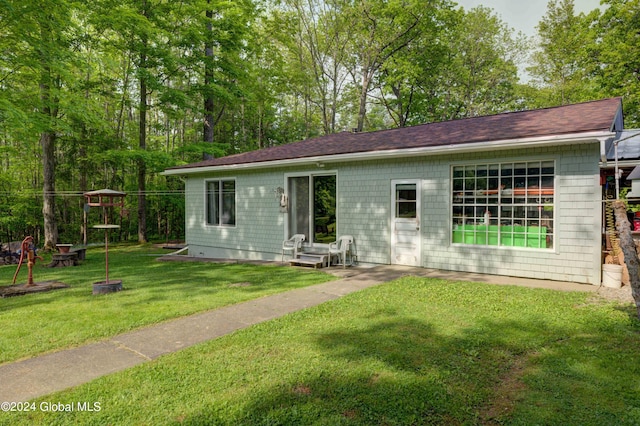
x: 612, y: 275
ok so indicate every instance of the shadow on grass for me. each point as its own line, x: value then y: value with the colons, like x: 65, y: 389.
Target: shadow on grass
x: 149, y: 281
x: 404, y: 371
x: 241, y: 282
x: 630, y: 310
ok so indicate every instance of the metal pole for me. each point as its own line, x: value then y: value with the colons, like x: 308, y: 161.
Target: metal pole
x: 106, y: 254
x: 106, y: 243
x: 617, y: 172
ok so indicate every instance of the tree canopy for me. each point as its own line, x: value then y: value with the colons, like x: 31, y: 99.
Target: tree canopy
x: 109, y: 93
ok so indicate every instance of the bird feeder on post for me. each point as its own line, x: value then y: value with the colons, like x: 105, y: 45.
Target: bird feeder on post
x: 106, y: 198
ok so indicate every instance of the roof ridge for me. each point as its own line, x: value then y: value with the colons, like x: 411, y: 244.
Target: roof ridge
x: 589, y: 116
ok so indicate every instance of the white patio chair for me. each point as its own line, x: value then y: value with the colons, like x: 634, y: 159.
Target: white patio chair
x: 343, y: 248
x: 292, y: 245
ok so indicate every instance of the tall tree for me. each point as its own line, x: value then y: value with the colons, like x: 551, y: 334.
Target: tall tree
x: 143, y: 80
x: 321, y: 41
x: 142, y: 28
x: 41, y: 33
x: 286, y: 26
x: 482, y: 71
x: 616, y: 55
x: 381, y: 29
x: 559, y: 62
x: 408, y: 83
x: 226, y: 25
x: 209, y: 100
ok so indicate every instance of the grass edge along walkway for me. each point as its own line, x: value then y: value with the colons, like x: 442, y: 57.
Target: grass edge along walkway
x: 409, y: 352
x: 41, y: 375
x: 153, y: 292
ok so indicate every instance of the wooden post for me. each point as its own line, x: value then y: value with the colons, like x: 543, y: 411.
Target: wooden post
x: 628, y: 249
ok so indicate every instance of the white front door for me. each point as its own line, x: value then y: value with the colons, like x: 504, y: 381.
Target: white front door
x: 405, y: 222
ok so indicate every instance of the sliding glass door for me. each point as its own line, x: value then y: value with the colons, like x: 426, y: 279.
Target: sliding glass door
x: 299, y: 202
x: 312, y: 207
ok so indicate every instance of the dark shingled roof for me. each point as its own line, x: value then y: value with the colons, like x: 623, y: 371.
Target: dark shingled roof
x: 564, y: 120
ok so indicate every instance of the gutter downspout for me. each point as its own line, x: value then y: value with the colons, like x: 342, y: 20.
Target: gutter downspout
x: 603, y: 150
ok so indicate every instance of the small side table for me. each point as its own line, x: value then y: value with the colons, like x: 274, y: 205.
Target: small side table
x: 64, y: 248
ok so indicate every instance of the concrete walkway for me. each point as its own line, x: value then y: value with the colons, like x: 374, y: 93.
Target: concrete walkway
x: 42, y: 375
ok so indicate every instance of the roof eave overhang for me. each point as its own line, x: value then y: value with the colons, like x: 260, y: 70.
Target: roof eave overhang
x: 621, y: 163
x: 523, y: 143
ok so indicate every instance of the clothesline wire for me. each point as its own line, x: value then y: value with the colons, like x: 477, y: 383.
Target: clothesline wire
x: 80, y: 194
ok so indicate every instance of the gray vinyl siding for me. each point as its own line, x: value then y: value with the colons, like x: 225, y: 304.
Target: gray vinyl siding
x: 363, y: 210
x: 258, y: 232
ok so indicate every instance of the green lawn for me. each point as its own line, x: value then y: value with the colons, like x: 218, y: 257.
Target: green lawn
x: 414, y: 351
x: 153, y: 292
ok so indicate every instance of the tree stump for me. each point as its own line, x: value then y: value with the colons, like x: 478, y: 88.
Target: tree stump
x: 61, y: 260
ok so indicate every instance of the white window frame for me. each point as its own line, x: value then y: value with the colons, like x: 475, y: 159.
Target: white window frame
x: 496, y: 238
x: 220, y: 202
x: 311, y: 230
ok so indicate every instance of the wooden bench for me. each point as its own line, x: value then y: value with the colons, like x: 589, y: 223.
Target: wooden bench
x: 81, y: 251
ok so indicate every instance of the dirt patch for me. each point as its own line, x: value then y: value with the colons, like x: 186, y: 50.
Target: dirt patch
x: 302, y: 390
x: 505, y: 395
x: 350, y: 414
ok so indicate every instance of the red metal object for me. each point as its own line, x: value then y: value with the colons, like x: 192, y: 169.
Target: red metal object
x: 27, y: 247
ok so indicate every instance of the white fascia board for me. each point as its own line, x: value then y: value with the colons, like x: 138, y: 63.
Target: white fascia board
x: 621, y: 163
x: 523, y: 143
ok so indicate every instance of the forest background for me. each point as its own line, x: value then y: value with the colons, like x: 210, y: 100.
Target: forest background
x: 107, y: 94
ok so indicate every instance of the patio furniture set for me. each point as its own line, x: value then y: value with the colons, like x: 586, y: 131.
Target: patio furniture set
x: 339, y: 253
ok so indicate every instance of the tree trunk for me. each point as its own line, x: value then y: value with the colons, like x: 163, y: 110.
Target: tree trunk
x: 142, y: 203
x: 83, y: 179
x: 362, y: 110
x: 208, y: 80
x: 142, y: 169
x: 48, y: 111
x: 629, y: 250
x: 123, y: 100
x: 47, y: 141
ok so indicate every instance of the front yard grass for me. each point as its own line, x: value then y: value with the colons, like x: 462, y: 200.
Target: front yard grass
x: 153, y: 292
x: 413, y: 351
